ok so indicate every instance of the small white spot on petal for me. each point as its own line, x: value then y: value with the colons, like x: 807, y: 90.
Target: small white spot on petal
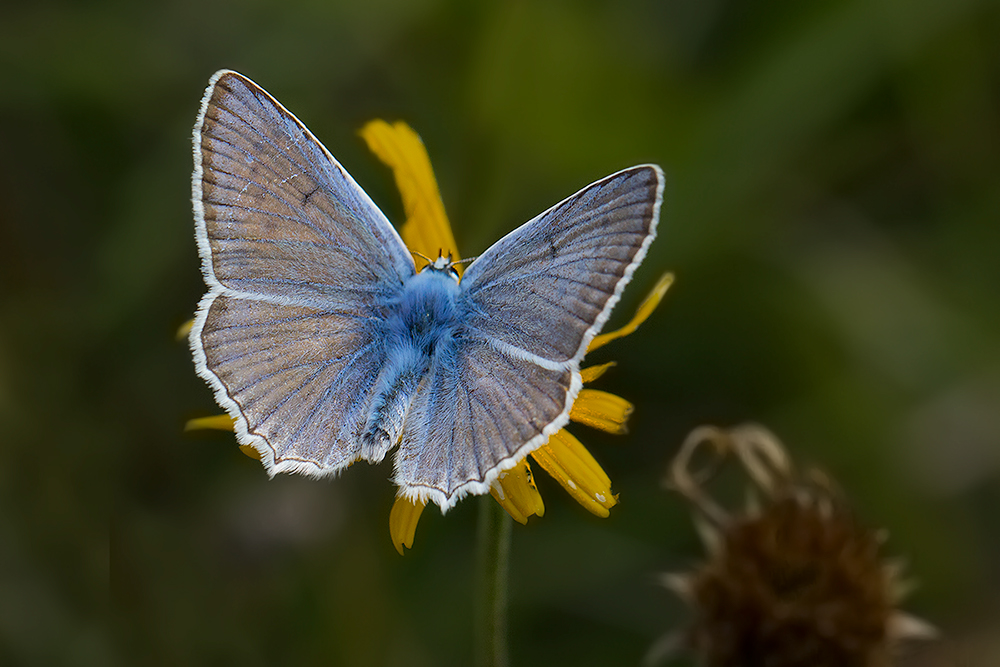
x: 600, y: 497
x: 571, y: 483
x: 499, y: 489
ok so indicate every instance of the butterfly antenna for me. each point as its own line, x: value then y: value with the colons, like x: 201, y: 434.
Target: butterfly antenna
x: 421, y: 256
x: 466, y: 260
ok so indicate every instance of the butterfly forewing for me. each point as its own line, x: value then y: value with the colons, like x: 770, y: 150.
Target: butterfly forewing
x: 300, y: 266
x: 279, y: 216
x: 547, y: 288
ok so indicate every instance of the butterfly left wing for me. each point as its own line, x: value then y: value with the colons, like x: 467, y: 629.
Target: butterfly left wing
x: 300, y: 266
x: 533, y: 302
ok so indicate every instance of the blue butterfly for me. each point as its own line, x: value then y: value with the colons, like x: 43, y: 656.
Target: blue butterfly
x: 326, y: 346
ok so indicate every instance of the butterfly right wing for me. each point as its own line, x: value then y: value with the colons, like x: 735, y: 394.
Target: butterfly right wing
x: 533, y: 302
x: 300, y: 265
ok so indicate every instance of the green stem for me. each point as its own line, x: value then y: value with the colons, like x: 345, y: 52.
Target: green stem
x: 493, y: 565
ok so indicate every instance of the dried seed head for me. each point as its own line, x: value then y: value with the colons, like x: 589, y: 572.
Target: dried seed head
x: 797, y: 582
x: 792, y: 587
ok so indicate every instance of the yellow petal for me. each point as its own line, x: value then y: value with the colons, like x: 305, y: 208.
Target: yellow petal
x: 601, y: 410
x: 184, y: 329
x: 569, y: 462
x: 426, y: 229
x: 220, y: 423
x: 516, y: 492
x: 403, y: 522
x: 591, y: 373
x: 645, y: 309
x: 250, y: 451
x: 217, y: 422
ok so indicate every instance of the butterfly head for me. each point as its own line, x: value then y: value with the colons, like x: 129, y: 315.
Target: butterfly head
x: 443, y: 265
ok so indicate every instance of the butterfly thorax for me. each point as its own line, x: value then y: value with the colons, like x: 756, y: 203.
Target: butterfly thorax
x: 420, y: 324
x: 425, y: 312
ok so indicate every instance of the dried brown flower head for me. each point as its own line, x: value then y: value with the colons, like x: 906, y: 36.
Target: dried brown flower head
x: 792, y: 581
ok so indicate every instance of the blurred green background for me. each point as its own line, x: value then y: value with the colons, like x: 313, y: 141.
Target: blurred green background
x: 832, y: 218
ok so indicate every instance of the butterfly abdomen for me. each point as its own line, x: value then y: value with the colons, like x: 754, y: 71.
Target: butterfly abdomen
x: 420, y: 323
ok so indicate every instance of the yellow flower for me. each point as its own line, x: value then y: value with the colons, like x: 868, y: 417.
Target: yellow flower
x: 427, y: 231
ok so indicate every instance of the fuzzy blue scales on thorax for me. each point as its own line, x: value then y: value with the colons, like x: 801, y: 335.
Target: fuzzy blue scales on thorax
x: 425, y: 313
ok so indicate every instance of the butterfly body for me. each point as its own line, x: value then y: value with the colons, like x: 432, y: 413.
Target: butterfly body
x: 418, y: 330
x: 326, y: 346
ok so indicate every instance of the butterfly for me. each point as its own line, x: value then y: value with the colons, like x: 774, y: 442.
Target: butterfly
x: 326, y: 346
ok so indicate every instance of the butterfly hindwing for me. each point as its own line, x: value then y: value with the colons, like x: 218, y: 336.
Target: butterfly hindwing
x: 299, y: 378
x: 471, y: 418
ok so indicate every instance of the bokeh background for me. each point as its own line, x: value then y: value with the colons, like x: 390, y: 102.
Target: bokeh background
x: 832, y: 218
